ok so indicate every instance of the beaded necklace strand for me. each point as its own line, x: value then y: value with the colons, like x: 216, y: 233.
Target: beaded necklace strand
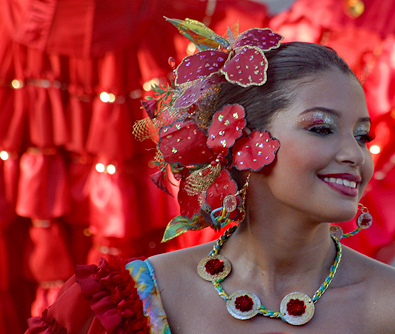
x: 296, y: 308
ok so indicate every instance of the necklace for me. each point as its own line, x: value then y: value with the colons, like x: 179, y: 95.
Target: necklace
x: 296, y: 308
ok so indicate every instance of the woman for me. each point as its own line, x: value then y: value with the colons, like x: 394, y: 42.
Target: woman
x: 273, y: 137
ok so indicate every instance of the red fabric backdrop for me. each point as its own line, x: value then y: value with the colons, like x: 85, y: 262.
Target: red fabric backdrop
x: 74, y: 183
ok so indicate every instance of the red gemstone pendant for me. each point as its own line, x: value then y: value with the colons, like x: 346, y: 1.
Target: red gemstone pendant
x: 364, y: 220
x: 243, y: 304
x: 297, y: 308
x: 214, y: 267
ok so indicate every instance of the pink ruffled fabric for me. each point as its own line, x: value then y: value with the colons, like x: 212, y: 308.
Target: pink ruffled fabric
x: 45, y: 325
x: 97, y: 300
x: 113, y: 297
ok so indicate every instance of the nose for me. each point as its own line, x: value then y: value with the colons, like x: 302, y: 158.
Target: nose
x: 350, y: 152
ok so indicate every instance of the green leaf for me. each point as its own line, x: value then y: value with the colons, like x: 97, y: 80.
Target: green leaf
x: 181, y: 224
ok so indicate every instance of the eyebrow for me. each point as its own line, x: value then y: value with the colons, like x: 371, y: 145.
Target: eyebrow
x: 332, y: 112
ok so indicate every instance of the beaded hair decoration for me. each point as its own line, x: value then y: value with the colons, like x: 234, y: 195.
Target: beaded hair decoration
x: 198, y: 144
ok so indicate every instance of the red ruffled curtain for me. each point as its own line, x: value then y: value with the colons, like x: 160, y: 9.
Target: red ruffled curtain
x: 71, y: 76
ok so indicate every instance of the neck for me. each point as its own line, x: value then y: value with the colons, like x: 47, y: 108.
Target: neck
x: 285, y: 251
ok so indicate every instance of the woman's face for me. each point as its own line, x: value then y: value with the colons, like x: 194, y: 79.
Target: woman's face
x: 323, y: 164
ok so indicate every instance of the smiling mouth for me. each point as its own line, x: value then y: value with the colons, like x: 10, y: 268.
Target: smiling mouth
x: 346, y: 183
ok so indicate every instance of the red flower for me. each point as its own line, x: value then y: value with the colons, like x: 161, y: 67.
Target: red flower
x: 222, y: 186
x: 214, y: 266
x: 244, y: 303
x: 228, y: 124
x: 184, y: 143
x: 296, y: 307
x: 255, y: 151
x: 247, y: 51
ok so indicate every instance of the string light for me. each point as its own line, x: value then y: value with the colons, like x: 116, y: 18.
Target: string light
x: 136, y: 94
x: 100, y: 168
x: 4, y: 155
x: 375, y: 149
x: 107, y: 97
x: 104, y: 96
x: 111, y: 169
x: 191, y: 48
x: 147, y: 85
x: 16, y: 84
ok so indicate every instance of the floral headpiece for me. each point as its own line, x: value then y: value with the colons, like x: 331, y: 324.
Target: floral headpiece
x: 201, y: 146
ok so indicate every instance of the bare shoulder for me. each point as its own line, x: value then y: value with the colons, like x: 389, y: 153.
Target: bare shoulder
x: 182, y: 291
x: 377, y: 284
x: 174, y: 267
x: 181, y: 256
x: 372, y: 271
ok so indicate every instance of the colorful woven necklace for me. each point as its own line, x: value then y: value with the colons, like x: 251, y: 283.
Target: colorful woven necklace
x: 296, y: 308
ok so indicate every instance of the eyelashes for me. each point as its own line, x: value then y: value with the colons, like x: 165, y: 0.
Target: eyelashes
x: 322, y: 130
x: 367, y: 138
x: 326, y: 130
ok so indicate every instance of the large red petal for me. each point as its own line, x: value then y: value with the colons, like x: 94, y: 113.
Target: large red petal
x: 222, y: 186
x: 189, y: 96
x: 264, y: 39
x: 160, y: 181
x: 255, y: 151
x: 200, y: 65
x: 228, y: 124
x: 190, y: 204
x: 247, y: 68
x: 194, y: 92
x: 184, y: 143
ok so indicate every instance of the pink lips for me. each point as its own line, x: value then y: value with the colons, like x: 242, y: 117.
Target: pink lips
x: 342, y: 189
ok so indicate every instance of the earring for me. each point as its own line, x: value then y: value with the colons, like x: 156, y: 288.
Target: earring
x: 364, y: 221
x: 229, y: 205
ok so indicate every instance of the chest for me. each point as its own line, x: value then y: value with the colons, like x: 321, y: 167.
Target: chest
x: 199, y: 309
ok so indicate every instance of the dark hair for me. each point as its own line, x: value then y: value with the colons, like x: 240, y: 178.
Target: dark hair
x: 288, y: 64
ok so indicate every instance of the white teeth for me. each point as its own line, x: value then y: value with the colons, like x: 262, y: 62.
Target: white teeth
x: 349, y: 184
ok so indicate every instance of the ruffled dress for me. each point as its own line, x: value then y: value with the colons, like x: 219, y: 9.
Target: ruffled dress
x: 107, y: 298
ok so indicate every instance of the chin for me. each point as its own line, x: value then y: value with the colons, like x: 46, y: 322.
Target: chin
x: 344, y: 216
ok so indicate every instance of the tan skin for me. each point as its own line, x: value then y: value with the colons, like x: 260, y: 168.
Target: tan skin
x: 284, y: 245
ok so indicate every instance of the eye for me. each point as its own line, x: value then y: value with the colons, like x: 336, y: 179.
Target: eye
x: 365, y: 138
x: 322, y: 130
